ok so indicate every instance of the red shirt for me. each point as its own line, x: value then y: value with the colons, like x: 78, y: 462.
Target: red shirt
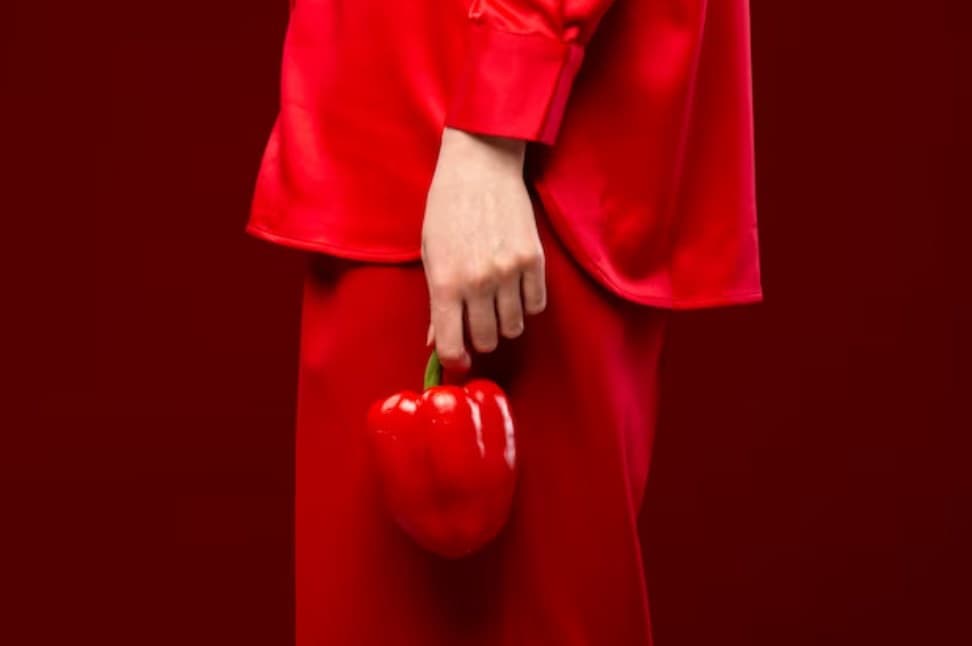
x: 638, y: 116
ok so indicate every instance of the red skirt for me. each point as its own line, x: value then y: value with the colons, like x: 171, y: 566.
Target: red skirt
x: 567, y: 569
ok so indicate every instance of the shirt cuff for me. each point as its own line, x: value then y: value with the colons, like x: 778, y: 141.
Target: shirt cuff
x: 513, y: 85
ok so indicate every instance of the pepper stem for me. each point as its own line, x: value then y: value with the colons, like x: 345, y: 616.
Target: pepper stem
x: 433, y: 371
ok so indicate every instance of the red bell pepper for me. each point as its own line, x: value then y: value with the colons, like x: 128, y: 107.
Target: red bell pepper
x: 447, y: 461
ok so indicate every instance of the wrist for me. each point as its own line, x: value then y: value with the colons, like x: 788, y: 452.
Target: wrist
x: 463, y: 144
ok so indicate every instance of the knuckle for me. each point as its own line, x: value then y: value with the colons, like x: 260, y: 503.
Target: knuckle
x: 525, y: 261
x: 442, y: 287
x: 480, y: 279
x: 530, y: 259
x: 507, y: 266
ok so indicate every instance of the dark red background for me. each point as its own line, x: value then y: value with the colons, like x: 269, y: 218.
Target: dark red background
x: 811, y: 483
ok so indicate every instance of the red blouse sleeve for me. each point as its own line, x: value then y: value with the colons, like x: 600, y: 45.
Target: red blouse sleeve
x: 520, y: 64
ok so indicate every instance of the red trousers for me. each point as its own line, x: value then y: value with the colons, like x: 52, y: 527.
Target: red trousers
x: 567, y: 569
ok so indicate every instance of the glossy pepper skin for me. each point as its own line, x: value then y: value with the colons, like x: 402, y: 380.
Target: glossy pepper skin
x: 447, y: 461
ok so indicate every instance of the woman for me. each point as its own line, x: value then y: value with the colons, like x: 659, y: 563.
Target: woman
x: 529, y: 186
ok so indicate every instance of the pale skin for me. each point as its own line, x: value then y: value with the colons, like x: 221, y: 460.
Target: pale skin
x: 481, y: 251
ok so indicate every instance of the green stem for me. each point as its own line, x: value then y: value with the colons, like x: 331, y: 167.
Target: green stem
x: 433, y: 371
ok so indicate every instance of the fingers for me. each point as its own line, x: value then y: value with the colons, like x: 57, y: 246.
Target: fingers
x: 509, y: 305
x: 483, y: 327
x: 447, y: 321
x: 534, y: 286
x: 494, y: 302
x: 485, y: 312
x: 481, y: 312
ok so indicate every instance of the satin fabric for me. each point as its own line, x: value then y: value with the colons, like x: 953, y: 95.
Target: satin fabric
x: 567, y: 569
x: 638, y: 116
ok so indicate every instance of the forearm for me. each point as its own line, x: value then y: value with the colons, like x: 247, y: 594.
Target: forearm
x: 459, y: 146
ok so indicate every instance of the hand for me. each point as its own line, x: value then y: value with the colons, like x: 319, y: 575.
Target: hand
x: 480, y: 247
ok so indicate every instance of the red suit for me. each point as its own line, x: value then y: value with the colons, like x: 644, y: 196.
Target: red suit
x: 640, y: 162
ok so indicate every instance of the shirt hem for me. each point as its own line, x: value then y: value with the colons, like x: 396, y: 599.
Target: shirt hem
x: 352, y: 253
x: 719, y: 299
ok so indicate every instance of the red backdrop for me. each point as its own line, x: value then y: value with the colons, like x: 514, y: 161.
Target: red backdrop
x: 810, y: 484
